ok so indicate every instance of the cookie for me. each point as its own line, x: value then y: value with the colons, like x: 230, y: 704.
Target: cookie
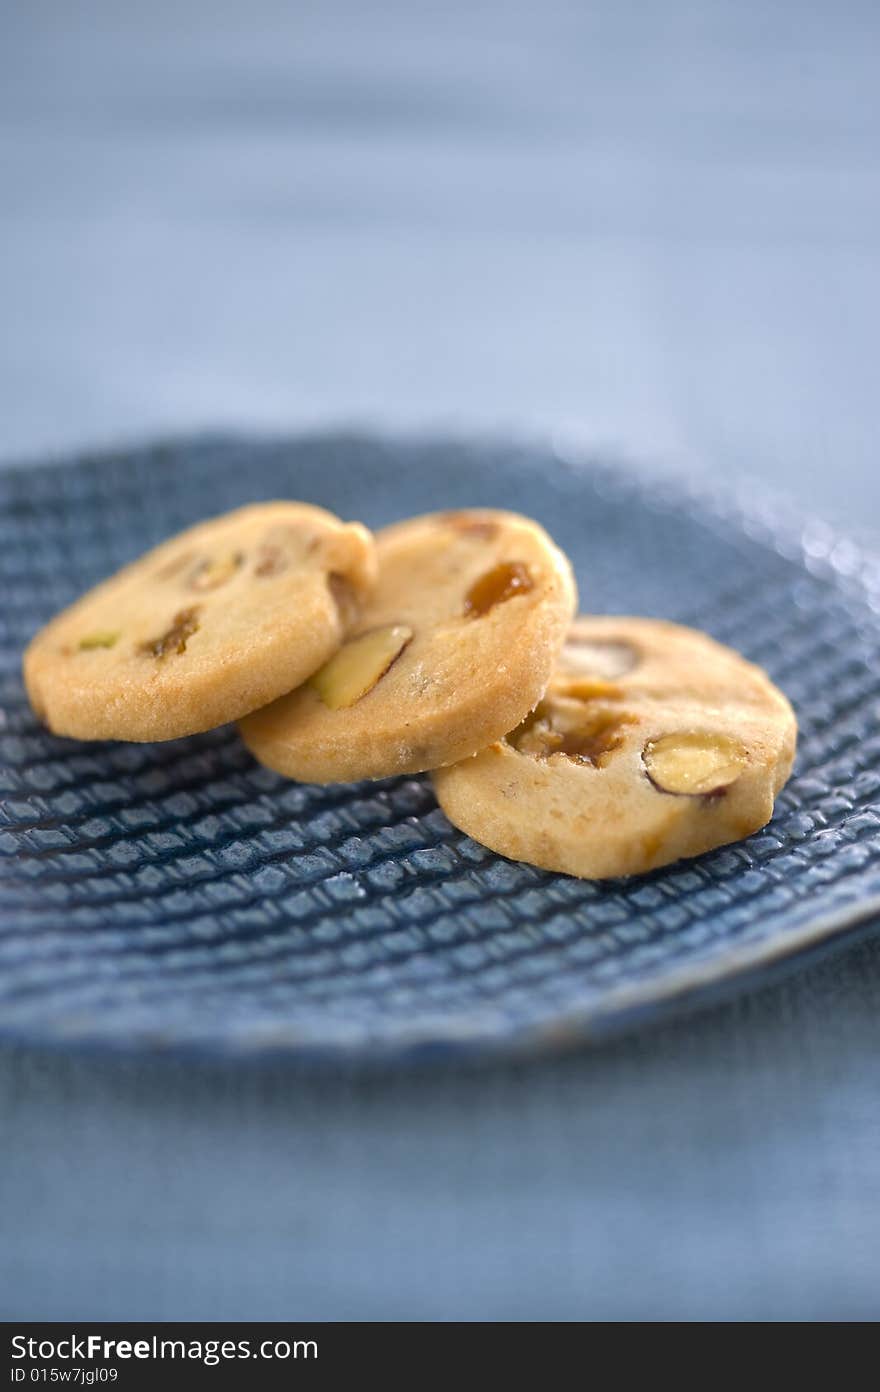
x: 455, y: 646
x: 210, y: 625
x: 653, y: 743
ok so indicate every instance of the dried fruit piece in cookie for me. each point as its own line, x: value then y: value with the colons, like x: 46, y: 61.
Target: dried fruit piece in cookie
x: 208, y: 626
x: 684, y: 750
x: 455, y: 646
x: 494, y: 586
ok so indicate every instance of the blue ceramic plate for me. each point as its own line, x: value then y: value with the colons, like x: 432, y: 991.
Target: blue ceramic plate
x: 179, y: 897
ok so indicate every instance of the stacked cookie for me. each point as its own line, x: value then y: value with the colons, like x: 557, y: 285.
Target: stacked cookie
x: 594, y: 746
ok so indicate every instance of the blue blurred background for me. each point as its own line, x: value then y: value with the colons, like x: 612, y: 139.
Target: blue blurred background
x: 653, y: 227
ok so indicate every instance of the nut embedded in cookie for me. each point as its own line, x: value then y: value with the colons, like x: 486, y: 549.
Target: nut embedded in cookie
x: 213, y: 571
x: 694, y: 763
x: 603, y: 658
x: 359, y: 665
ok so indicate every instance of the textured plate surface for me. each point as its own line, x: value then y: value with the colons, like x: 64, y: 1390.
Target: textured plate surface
x: 179, y: 896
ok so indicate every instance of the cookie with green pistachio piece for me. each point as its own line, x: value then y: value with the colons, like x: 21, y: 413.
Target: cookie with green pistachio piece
x: 213, y: 623
x: 456, y: 645
x: 652, y: 743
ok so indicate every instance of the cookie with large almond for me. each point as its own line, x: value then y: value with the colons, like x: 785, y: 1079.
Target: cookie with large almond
x: 456, y: 646
x: 653, y: 743
x: 217, y: 621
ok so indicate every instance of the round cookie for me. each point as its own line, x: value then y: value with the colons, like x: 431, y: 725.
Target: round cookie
x: 211, y: 624
x: 652, y: 743
x: 455, y: 646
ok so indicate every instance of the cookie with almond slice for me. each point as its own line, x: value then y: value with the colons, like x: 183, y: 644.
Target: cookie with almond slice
x: 456, y: 645
x: 652, y: 743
